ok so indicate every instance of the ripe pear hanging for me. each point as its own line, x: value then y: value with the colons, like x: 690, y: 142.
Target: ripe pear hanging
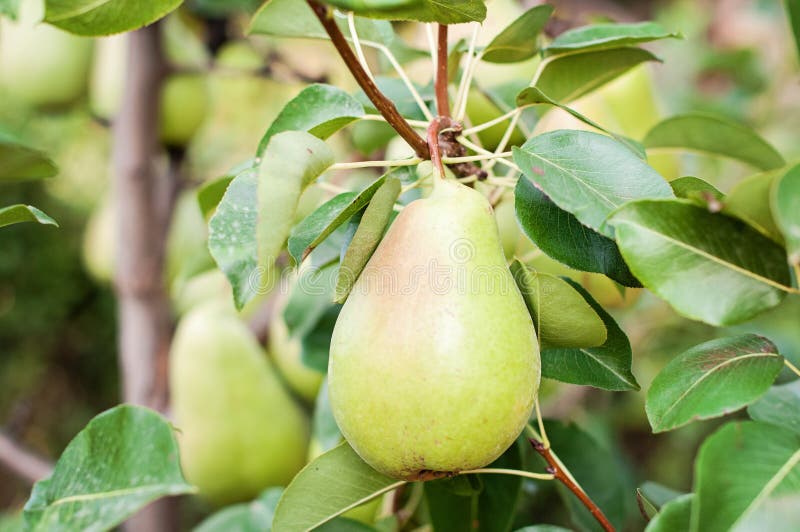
x: 434, y: 363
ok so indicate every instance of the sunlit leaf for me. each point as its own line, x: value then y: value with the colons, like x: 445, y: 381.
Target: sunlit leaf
x: 210, y: 193
x: 786, y: 210
x: 698, y: 191
x: 254, y: 516
x: 15, y: 214
x: 749, y: 200
x: 600, y: 36
x: 18, y: 162
x: 104, y: 17
x: 673, y: 516
x: 520, y: 39
x: 779, y: 406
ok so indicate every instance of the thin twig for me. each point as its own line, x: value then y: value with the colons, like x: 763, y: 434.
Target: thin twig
x: 792, y: 367
x: 381, y: 102
x: 555, y: 467
x: 351, y: 24
x: 370, y: 164
x: 463, y: 88
x: 474, y: 158
x: 379, y: 118
x: 516, y: 472
x: 492, y: 122
x: 442, y: 99
x: 24, y: 463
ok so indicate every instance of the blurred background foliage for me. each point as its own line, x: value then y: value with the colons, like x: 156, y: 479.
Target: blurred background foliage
x: 58, y: 366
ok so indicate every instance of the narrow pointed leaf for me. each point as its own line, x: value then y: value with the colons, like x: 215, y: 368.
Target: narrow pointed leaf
x: 15, y: 214
x: 344, y: 479
x: 104, y: 17
x: 779, y: 406
x: 566, y: 78
x: 561, y: 315
x: 520, y: 40
x: 714, y: 134
x: 607, y: 366
x: 366, y: 238
x: 318, y: 225
x: 601, y: 36
x: 291, y: 161
x: 749, y: 200
x: 588, y: 174
x: 124, y: 459
x: 744, y: 268
x: 786, y: 210
x: 18, y: 162
x: 320, y: 109
x: 561, y: 236
x: 675, y: 515
x: 738, y: 469
x: 711, y: 380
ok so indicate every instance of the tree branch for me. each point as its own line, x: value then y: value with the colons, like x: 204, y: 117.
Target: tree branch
x: 442, y: 99
x: 381, y: 102
x: 555, y: 468
x: 22, y: 462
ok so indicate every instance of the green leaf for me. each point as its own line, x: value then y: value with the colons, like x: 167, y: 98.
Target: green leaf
x: 294, y: 18
x: 255, y: 516
x: 568, y: 77
x: 561, y: 236
x: 711, y: 380
x: 121, y: 461
x: 607, y: 366
x: 744, y: 269
x: 739, y: 468
x: 588, y: 174
x: 543, y: 528
x: 657, y: 494
x: 793, y: 11
x: 373, y: 8
x: 316, y: 227
x: 603, y: 36
x: 716, y: 135
x: 397, y: 91
x: 370, y: 230
x: 441, y: 11
x: 489, y: 500
x: 786, y: 210
x: 309, y: 300
x: 10, y: 8
x: 344, y: 479
x: 104, y: 17
x: 324, y: 430
x: 316, y: 344
x: 674, y: 516
x: 561, y: 315
x: 210, y: 193
x: 18, y: 162
x: 520, y: 40
x: 776, y: 513
x: 15, y: 214
x: 779, y: 406
x: 322, y: 110
x: 749, y: 200
x: 698, y: 191
x: 291, y: 161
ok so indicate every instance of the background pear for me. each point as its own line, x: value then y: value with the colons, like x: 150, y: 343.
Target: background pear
x: 434, y: 363
x: 239, y: 431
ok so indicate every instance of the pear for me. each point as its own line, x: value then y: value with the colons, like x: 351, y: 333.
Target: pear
x: 239, y: 431
x: 434, y: 365
x: 286, y: 353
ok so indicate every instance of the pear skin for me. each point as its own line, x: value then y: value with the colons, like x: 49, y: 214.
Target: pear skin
x: 434, y: 363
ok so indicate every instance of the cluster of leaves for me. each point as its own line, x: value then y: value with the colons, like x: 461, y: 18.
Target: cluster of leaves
x: 587, y: 199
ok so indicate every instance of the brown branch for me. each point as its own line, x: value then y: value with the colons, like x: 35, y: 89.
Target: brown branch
x: 381, y: 102
x: 442, y: 100
x: 554, y: 467
x: 22, y: 462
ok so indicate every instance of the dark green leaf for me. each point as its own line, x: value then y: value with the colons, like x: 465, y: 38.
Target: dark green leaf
x: 600, y: 36
x: 441, y: 11
x: 291, y: 161
x: 15, y: 214
x: 749, y: 200
x: 316, y: 227
x: 793, y: 10
x: 588, y: 174
x: 711, y: 380
x: 739, y: 468
x: 556, y: 307
x: 607, y: 366
x: 698, y: 191
x: 104, y: 17
x: 779, y: 406
x: 520, y: 40
x: 786, y: 210
x: 674, y: 516
x: 345, y: 480
x: 561, y: 236
x: 370, y: 230
x: 121, y: 461
x: 714, y: 134
x: 211, y: 192
x: 373, y: 8
x: 543, y: 528
x: 744, y: 269
x: 568, y: 77
x: 18, y: 162
x: 255, y: 516
x: 320, y: 109
x: 317, y: 342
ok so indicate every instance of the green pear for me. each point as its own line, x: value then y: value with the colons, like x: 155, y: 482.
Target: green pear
x: 185, y: 101
x: 98, y: 243
x: 481, y: 109
x: 434, y: 364
x: 239, y: 431
x: 107, y: 82
x: 187, y: 240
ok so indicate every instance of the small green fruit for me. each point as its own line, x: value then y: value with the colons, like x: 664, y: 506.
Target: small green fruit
x: 286, y: 353
x: 184, y: 103
x: 239, y: 431
x: 108, y: 76
x: 434, y: 363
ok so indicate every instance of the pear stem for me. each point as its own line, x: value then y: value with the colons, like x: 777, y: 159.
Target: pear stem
x: 442, y: 98
x: 437, y: 124
x: 516, y: 472
x: 792, y: 367
x: 559, y: 473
